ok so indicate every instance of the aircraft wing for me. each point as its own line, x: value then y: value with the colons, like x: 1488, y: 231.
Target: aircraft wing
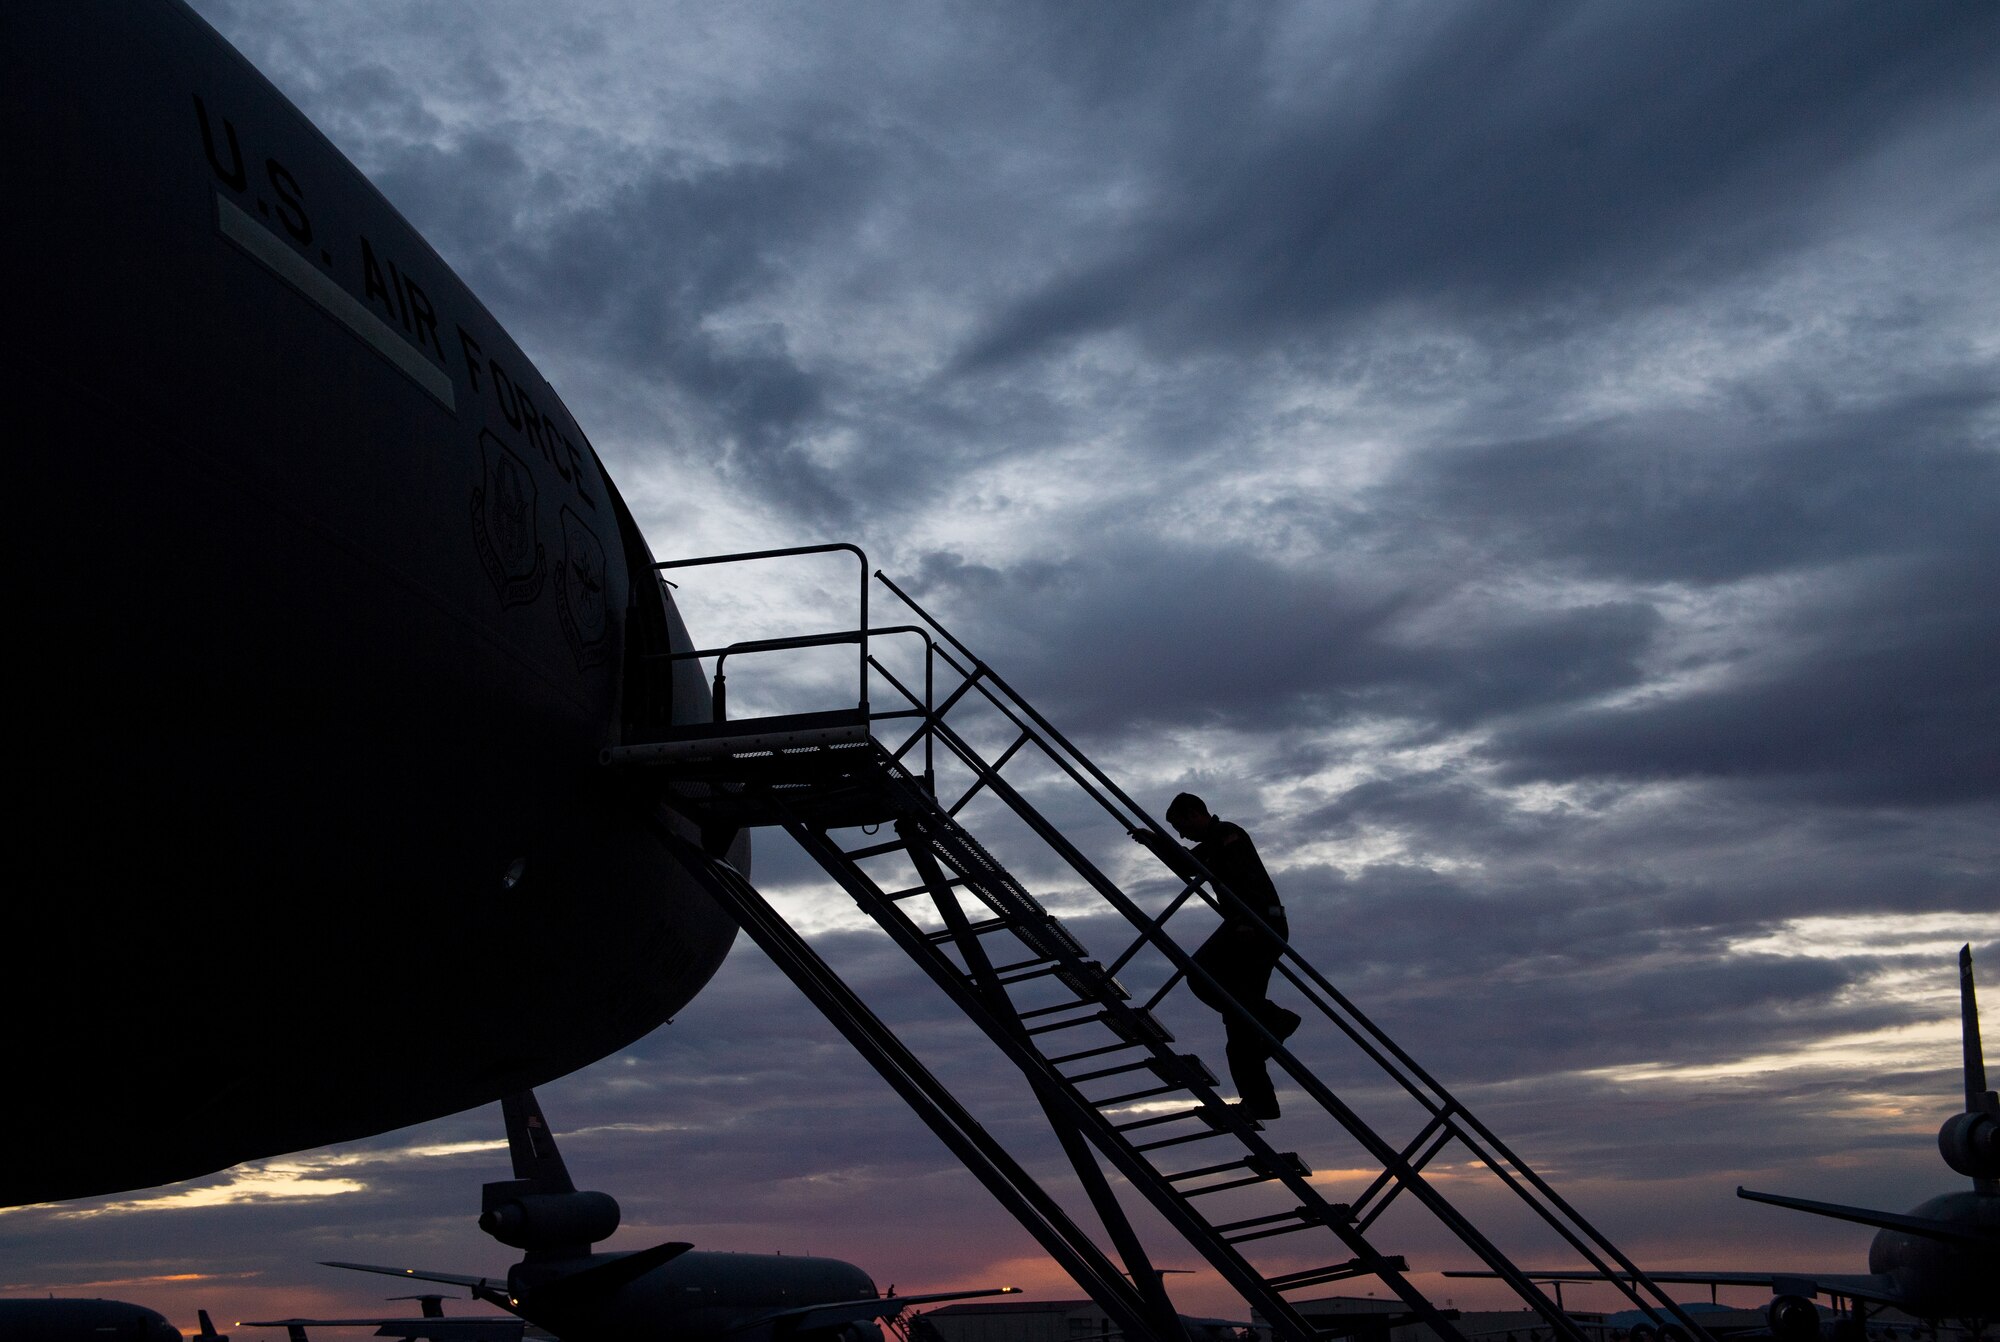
x: 495, y: 1329
x: 809, y: 1317
x: 1952, y: 1232
x: 490, y: 1289
x: 1874, y: 1287
x: 614, y: 1271
x: 596, y: 1282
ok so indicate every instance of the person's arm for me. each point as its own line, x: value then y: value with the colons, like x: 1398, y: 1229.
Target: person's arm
x: 1169, y: 852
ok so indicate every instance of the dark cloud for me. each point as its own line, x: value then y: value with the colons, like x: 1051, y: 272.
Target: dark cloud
x: 1727, y: 497
x: 1142, y: 633
x: 1869, y: 702
x: 1509, y: 157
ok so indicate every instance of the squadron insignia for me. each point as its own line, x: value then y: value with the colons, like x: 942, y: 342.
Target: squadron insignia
x: 580, y: 591
x: 503, y: 525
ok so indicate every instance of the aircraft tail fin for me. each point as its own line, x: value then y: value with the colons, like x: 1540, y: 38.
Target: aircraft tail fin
x: 540, y: 1209
x: 208, y: 1333
x: 1968, y: 1012
x: 1970, y: 1141
x: 533, y: 1146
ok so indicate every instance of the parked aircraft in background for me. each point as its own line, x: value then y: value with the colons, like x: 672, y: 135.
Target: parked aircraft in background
x: 53, y: 1319
x: 1940, y: 1261
x: 329, y: 608
x: 669, y: 1290
x: 431, y: 1326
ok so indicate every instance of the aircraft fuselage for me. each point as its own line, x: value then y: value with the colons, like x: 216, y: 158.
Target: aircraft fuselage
x: 1939, y: 1279
x: 60, y: 1320
x: 330, y: 606
x: 700, y: 1295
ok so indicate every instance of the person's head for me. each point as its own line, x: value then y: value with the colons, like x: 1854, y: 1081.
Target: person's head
x: 1189, y: 816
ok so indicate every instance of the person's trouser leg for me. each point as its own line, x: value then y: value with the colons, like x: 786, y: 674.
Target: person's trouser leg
x: 1241, y: 964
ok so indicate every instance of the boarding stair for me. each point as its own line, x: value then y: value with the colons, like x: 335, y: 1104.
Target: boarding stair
x: 884, y: 800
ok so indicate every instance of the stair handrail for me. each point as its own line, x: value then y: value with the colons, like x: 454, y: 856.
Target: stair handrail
x: 789, y: 551
x: 1348, y: 1018
x: 1407, y: 1176
x: 718, y: 690
x: 1033, y: 714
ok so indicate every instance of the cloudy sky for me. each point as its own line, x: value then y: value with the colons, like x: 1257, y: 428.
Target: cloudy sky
x: 1534, y: 464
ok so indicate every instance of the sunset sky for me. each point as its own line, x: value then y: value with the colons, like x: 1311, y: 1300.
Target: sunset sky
x: 1534, y: 465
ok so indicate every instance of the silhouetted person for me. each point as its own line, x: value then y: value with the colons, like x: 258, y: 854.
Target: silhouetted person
x: 1239, y: 955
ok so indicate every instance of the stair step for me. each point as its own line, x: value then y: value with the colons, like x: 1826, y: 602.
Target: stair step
x: 1137, y: 1025
x: 1267, y: 1227
x: 1121, y: 1069
x: 1305, y: 1223
x: 1249, y: 1181
x: 1088, y: 979
x: 1041, y: 969
x: 1017, y: 965
x: 1257, y: 1172
x: 1206, y: 1134
x: 1320, y: 1276
x: 1185, y: 1068
x: 1288, y: 1161
x: 1113, y: 1101
x: 944, y: 935
x: 873, y: 850
x: 1100, y: 1051
x: 753, y: 738
x: 1175, y: 1074
x: 912, y: 891
x: 1178, y: 1067
x: 1205, y: 1170
x: 1157, y: 1119
x: 1088, y: 1018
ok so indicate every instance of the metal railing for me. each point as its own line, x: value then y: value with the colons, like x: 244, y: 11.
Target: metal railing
x: 1446, y: 1119
x: 858, y: 634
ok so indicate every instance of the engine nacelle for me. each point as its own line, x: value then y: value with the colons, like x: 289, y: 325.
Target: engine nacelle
x: 1793, y: 1318
x: 1970, y: 1144
x: 548, y: 1220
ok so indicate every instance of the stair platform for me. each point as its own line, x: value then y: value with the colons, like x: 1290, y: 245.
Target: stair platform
x: 822, y: 767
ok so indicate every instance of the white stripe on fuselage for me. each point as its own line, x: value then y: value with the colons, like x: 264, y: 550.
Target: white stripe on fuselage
x: 242, y: 229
